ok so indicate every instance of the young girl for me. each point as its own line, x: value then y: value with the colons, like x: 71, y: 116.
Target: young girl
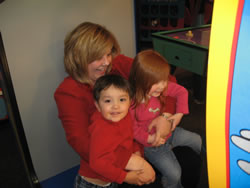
x: 149, y: 80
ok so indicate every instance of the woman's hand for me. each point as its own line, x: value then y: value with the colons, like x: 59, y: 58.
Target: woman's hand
x: 151, y: 139
x: 139, y: 174
x: 135, y: 162
x: 133, y: 177
x: 147, y: 175
x: 163, y: 128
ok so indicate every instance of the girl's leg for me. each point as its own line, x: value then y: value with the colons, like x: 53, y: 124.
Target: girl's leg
x: 182, y: 137
x: 164, y: 160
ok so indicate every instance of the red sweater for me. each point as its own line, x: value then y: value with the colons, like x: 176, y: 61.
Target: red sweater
x: 111, y: 146
x: 75, y: 105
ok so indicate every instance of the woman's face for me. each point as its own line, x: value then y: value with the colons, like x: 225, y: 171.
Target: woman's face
x: 98, y: 67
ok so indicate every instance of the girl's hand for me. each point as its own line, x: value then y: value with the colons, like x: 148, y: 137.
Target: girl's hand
x: 175, y: 119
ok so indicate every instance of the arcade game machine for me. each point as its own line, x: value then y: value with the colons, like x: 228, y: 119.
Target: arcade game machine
x: 228, y: 91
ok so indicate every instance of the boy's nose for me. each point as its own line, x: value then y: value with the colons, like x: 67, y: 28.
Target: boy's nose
x: 115, y: 105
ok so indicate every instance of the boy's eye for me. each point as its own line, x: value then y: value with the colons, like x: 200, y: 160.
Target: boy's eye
x: 107, y: 101
x: 123, y: 99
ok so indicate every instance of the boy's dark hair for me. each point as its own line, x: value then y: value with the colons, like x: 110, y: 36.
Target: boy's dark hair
x: 108, y: 80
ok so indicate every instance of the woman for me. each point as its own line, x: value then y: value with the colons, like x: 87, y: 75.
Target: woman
x: 90, y: 51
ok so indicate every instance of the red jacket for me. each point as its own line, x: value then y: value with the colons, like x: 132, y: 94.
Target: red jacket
x: 75, y: 105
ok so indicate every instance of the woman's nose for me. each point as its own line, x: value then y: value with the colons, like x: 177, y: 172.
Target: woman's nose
x: 106, y: 60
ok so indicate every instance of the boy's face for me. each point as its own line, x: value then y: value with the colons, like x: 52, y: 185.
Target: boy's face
x: 113, y: 104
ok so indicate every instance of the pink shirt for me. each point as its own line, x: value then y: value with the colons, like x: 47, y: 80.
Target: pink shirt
x: 146, y: 113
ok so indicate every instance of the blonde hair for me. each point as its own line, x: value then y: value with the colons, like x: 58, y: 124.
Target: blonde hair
x: 86, y: 43
x: 148, y: 68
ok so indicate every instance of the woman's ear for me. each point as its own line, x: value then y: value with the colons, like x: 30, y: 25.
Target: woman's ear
x: 97, y: 106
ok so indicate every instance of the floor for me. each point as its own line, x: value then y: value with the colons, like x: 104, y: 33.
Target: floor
x: 12, y: 170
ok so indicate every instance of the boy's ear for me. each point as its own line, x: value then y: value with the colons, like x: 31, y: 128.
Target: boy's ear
x: 97, y: 106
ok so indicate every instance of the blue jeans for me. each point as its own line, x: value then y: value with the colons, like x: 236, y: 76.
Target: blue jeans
x: 163, y: 158
x: 81, y: 183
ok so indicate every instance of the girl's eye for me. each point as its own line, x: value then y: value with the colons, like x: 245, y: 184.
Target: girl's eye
x: 107, y: 101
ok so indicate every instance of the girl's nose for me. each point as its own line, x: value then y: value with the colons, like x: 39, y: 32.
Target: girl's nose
x: 163, y: 85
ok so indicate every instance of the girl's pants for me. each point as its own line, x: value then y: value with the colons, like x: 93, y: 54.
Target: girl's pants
x: 163, y: 157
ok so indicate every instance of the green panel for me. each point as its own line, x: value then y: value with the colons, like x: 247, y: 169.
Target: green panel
x: 190, y: 58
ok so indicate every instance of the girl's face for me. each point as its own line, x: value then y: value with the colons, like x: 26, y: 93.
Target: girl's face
x: 98, y: 67
x: 113, y: 104
x: 157, y: 89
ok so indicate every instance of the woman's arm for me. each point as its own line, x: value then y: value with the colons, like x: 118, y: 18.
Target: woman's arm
x: 163, y: 129
x: 143, y: 168
x: 135, y: 163
x: 73, y: 113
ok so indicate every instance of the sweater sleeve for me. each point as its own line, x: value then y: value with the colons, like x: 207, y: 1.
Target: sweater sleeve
x: 138, y: 147
x: 102, y: 154
x: 75, y: 119
x: 140, y: 135
x: 181, y: 94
